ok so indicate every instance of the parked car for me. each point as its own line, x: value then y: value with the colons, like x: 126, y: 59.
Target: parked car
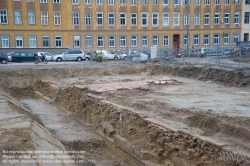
x: 3, y: 58
x: 209, y: 52
x: 10, y: 54
x: 22, y: 56
x: 69, y: 55
x: 47, y: 55
x: 106, y: 54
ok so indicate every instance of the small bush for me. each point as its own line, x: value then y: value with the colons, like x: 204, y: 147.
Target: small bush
x: 98, y: 57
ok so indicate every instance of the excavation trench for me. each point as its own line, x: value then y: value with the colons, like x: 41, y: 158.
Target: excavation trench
x: 140, y: 116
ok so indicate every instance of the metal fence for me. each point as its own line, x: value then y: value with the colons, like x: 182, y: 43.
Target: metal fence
x: 218, y: 56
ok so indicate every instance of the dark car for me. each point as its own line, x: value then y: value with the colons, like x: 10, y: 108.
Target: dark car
x: 22, y: 56
x: 3, y: 58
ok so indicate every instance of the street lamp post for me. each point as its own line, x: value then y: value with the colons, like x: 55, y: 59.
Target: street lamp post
x: 188, y: 17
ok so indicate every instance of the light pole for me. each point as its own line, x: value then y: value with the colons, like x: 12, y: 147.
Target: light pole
x: 188, y: 17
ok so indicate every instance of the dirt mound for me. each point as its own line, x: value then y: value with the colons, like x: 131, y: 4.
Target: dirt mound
x: 228, y: 78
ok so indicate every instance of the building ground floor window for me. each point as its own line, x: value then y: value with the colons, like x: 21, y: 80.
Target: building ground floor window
x: 121, y: 41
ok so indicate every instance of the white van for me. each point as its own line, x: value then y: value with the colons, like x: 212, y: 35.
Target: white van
x: 107, y: 54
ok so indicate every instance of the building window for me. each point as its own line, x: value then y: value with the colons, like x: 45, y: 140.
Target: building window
x: 87, y: 1
x: 196, y: 2
x: 77, y: 41
x: 56, y: 1
x: 165, y: 2
x: 132, y: 2
x: 122, y: 19
x: 100, y: 41
x: 88, y: 41
x: 3, y: 17
x: 144, y: 18
x: 43, y: 1
x: 236, y: 18
x: 227, y: 2
x: 186, y: 2
x: 58, y: 41
x: 226, y: 18
x: 87, y: 19
x: 217, y: 2
x: 207, y: 19
x: 246, y: 17
x: 165, y: 40
x: 226, y: 38
x: 45, y: 41
x: 165, y: 19
x: 236, y: 38
x: 206, y: 39
x: 144, y: 40
x: 57, y: 18
x: 99, y: 19
x: 32, y: 41
x: 176, y: 2
x: 75, y: 1
x: 247, y: 2
x: 196, y: 39
x: 99, y: 2
x: 5, y: 41
x: 155, y: 19
x: 196, y: 19
x: 186, y: 19
x: 44, y: 18
x: 185, y: 40
x: 217, y: 18
x: 155, y: 40
x: 216, y: 39
x: 19, y: 41
x: 155, y: 2
x: 75, y: 18
x: 111, y: 41
x: 30, y: 0
x: 111, y: 2
x: 111, y: 19
x: 133, y: 17
x: 122, y: 41
x: 18, y: 17
x: 207, y: 2
x: 122, y: 2
x: 31, y: 18
x: 133, y: 41
x: 144, y: 2
x: 176, y: 19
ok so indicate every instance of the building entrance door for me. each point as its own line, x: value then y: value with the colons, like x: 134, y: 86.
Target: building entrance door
x: 176, y: 43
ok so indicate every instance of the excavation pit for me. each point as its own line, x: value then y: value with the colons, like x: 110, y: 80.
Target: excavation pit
x: 143, y: 117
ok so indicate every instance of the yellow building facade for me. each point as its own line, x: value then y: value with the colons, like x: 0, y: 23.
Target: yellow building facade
x: 118, y: 24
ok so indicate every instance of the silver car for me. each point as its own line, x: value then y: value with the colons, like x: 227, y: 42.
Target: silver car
x: 69, y: 55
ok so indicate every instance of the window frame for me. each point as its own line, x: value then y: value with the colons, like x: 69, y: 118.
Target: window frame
x: 133, y: 18
x: 206, y: 39
x: 111, y: 23
x: 165, y: 40
x: 43, y: 1
x: 77, y: 41
x: 207, y: 18
x: 30, y: 41
x: 99, y: 19
x: 144, y: 18
x: 45, y: 40
x: 216, y: 19
x: 100, y: 40
x: 217, y: 38
x: 56, y: 1
x: 133, y: 40
x: 155, y: 19
x: 4, y: 41
x: 16, y: 40
x: 196, y: 18
x: 123, y: 20
x: 165, y: 19
x: 121, y: 40
x: 237, y: 18
x: 88, y: 20
x: 88, y: 40
x: 30, y: 18
x: 144, y: 40
x: 57, y: 18
x: 58, y: 42
x: 226, y: 36
x: 3, y: 17
x: 76, y: 18
x: 196, y: 39
x: 111, y: 40
x: 155, y: 40
x: 226, y: 19
x: 178, y: 19
x: 17, y: 18
x: 44, y: 18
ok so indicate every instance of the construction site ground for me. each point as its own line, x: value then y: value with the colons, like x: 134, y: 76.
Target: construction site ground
x: 124, y: 113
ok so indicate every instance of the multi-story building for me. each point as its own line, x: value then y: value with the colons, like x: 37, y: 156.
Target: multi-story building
x: 118, y: 24
x: 245, y: 20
